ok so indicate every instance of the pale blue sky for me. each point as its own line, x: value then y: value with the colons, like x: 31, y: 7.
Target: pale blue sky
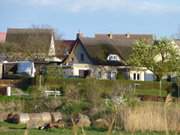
x: 159, y: 17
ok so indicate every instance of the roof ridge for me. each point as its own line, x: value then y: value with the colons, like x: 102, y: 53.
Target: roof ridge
x: 29, y: 30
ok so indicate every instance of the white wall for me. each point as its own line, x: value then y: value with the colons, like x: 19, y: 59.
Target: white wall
x: 77, y: 67
x: 136, y: 73
x: 107, y: 72
x: 144, y: 75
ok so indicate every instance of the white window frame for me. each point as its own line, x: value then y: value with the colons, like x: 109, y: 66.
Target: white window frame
x: 113, y: 57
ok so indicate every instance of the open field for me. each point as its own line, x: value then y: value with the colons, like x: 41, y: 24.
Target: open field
x: 106, y: 87
x: 89, y: 90
x: 150, y: 92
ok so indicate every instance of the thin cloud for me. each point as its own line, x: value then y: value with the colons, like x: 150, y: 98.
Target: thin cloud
x: 152, y: 6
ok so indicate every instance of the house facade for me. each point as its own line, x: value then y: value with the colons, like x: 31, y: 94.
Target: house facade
x: 38, y: 43
x: 104, y: 57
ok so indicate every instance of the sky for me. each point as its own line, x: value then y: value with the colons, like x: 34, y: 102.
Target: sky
x: 158, y: 17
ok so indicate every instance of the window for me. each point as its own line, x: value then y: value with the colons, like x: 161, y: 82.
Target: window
x: 113, y: 57
x: 113, y: 75
x: 134, y: 76
x: 109, y: 75
x: 82, y: 57
x: 99, y: 75
x: 81, y: 73
x: 138, y: 76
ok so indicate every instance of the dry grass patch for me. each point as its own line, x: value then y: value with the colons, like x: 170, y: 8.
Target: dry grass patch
x: 152, y: 117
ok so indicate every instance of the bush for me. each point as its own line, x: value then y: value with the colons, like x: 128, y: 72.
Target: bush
x: 120, y: 76
x: 74, y: 107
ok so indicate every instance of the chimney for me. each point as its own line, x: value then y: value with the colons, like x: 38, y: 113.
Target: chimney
x: 79, y: 34
x: 110, y: 35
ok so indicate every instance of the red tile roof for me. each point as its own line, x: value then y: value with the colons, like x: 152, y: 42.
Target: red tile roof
x: 2, y: 36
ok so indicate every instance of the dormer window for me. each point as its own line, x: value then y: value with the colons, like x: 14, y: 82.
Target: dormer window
x: 113, y: 57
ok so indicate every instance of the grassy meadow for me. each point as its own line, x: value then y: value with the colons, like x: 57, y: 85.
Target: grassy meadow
x: 15, y: 129
x: 96, y: 99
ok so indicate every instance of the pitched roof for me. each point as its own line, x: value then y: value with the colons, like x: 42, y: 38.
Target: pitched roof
x: 99, y: 49
x: 30, y: 37
x: 146, y: 37
x: 2, y: 37
x: 63, y: 48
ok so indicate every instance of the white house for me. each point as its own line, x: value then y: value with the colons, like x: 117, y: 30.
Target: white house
x: 104, y: 56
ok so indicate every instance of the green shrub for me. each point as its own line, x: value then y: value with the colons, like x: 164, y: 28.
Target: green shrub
x: 74, y: 107
x: 120, y: 76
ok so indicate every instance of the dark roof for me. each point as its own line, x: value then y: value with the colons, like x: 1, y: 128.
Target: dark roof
x: 63, y: 48
x: 146, y: 37
x: 29, y: 30
x: 99, y: 49
x: 30, y: 37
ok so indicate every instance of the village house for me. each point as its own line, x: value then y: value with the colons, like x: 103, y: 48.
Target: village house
x: 105, y: 57
x: 38, y: 43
